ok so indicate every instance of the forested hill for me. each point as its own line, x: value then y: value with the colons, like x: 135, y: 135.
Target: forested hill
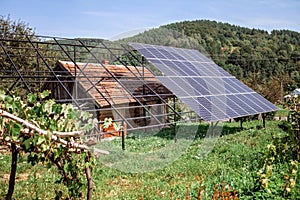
x: 268, y: 62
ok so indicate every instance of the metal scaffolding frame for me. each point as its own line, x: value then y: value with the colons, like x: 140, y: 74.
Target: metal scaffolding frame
x: 30, y: 64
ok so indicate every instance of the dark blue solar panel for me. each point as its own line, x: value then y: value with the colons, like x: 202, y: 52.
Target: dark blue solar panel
x: 260, y: 103
x: 144, y: 51
x: 242, y: 87
x: 181, y: 54
x: 192, y: 67
x: 177, y: 70
x: 210, y: 69
x: 156, y: 53
x: 202, y: 82
x: 172, y: 86
x: 215, y: 87
x: 238, y: 100
x: 163, y: 68
x: 187, y: 55
x: 197, y: 56
x: 249, y: 101
x: 209, y: 103
x: 181, y: 90
x: 148, y: 54
x: 235, y: 107
x: 220, y: 70
x: 170, y: 55
x: 221, y: 102
x: 208, y: 89
x: 187, y: 68
x: 200, y: 109
x: 224, y: 73
x: 196, y: 91
x: 263, y: 102
x: 230, y: 89
x: 200, y: 88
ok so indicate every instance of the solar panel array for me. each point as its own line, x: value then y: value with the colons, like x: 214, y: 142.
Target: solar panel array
x: 206, y: 88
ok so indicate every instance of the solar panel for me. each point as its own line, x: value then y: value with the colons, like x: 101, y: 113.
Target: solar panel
x: 206, y: 88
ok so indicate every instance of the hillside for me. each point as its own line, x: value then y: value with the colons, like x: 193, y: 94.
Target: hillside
x: 269, y: 63
x: 262, y: 60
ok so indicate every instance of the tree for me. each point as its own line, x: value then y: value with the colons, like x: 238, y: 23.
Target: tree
x: 48, y: 133
x: 256, y: 52
x: 14, y: 29
x: 18, y: 57
x: 21, y: 66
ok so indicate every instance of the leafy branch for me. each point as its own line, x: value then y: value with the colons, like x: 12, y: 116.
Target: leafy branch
x: 48, y: 133
x: 283, y: 149
x: 55, y: 135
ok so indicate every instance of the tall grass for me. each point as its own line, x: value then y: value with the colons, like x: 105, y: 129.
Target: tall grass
x: 233, y: 162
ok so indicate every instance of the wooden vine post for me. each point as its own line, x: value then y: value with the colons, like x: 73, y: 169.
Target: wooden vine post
x: 48, y: 133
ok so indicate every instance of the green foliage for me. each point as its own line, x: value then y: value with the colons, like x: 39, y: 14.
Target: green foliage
x: 262, y: 60
x: 281, y: 113
x: 43, y: 148
x: 16, y: 30
x: 108, y: 122
x: 130, y: 59
x: 10, y: 28
x: 279, y: 169
x: 233, y: 161
x: 19, y: 52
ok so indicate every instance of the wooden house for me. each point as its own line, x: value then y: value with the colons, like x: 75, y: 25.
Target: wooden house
x: 110, y: 91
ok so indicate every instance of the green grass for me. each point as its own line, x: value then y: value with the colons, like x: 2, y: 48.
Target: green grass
x: 233, y: 159
x: 281, y: 112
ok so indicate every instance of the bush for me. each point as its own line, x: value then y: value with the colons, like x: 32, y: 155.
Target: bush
x: 279, y: 172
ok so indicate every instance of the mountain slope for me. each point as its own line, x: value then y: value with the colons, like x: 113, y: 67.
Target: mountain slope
x: 262, y: 60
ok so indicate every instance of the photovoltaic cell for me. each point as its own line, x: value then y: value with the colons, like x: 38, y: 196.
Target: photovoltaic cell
x: 183, y: 90
x: 206, y: 88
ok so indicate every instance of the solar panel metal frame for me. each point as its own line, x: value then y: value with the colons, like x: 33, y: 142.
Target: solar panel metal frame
x: 146, y: 105
x: 206, y: 88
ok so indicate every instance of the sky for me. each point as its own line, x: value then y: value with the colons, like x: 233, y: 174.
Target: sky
x: 111, y: 19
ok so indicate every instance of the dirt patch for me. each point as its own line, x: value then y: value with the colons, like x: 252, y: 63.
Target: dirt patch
x: 280, y: 118
x: 4, y: 149
x: 20, y: 177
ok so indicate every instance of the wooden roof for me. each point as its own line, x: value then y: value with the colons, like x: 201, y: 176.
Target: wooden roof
x: 94, y: 78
